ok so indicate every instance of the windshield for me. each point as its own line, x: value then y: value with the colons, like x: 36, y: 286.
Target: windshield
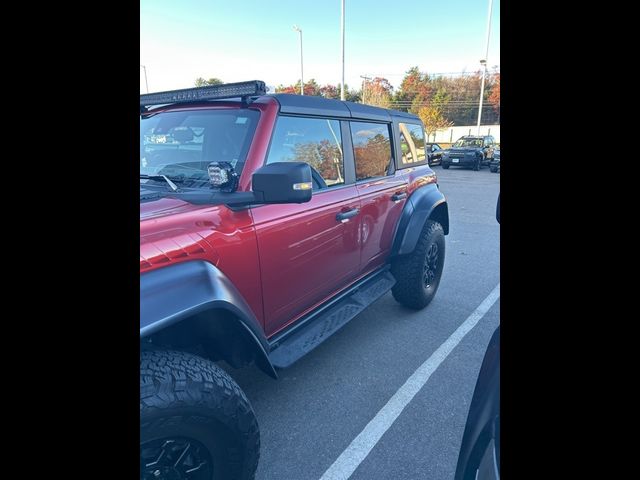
x: 180, y: 145
x: 468, y: 142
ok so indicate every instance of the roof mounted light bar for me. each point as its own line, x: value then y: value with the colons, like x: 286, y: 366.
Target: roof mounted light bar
x: 211, y: 92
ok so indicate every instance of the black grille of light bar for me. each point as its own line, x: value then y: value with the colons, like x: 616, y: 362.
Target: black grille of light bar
x: 212, y: 92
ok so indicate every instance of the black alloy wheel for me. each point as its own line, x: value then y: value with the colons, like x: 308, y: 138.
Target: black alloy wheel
x: 175, y: 459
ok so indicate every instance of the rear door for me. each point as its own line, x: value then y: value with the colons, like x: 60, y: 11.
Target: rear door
x: 382, y: 193
x: 308, y: 251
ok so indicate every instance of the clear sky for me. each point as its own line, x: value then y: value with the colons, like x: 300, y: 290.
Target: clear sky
x: 238, y: 40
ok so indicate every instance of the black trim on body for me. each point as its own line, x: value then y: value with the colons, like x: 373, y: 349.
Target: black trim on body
x: 308, y: 319
x: 417, y: 209
x: 176, y: 292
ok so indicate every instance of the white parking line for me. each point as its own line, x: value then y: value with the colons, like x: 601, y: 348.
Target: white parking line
x: 360, y: 447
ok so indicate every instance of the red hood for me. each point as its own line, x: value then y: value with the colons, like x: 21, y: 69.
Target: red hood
x: 163, y: 207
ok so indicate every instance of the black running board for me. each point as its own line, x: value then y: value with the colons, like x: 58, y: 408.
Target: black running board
x: 320, y: 325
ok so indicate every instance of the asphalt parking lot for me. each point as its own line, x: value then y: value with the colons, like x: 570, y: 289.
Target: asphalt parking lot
x: 323, y: 402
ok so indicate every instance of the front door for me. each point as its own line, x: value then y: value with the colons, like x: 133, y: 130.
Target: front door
x: 309, y: 251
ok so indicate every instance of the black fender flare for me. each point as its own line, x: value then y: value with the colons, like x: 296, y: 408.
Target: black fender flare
x: 171, y: 294
x: 418, y: 208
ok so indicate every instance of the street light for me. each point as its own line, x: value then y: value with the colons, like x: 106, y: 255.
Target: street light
x: 483, y: 62
x: 299, y: 30
x: 145, y: 77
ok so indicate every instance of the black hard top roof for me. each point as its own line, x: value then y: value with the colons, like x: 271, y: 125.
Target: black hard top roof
x: 312, y: 105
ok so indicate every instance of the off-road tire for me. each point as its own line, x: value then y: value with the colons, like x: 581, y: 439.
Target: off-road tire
x: 185, y: 396
x: 409, y: 270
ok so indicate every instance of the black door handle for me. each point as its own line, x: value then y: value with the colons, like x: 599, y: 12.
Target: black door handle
x: 345, y: 216
x: 398, y: 196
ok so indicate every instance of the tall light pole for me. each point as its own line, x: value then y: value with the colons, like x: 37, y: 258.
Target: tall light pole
x: 299, y: 30
x: 342, y: 27
x: 483, y: 62
x: 145, y: 77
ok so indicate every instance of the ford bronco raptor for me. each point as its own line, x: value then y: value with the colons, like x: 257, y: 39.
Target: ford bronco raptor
x: 470, y: 151
x: 267, y: 222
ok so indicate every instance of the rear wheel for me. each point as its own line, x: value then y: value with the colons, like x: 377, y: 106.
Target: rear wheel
x: 195, y: 421
x: 445, y: 166
x: 418, y: 274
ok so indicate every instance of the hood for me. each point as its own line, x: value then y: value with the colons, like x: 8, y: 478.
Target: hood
x: 154, y: 204
x: 464, y: 149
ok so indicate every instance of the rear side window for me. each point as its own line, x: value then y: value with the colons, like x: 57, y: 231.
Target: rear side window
x: 371, y: 149
x: 316, y: 141
x: 412, y: 144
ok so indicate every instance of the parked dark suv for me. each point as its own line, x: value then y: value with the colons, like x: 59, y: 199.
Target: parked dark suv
x: 267, y: 222
x: 470, y: 151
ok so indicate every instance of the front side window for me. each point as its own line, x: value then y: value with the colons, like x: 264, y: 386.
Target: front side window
x: 412, y: 143
x: 316, y: 141
x: 180, y: 145
x: 371, y: 149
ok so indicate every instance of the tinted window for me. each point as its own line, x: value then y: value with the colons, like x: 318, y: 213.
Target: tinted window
x: 317, y: 142
x: 412, y: 143
x: 371, y: 149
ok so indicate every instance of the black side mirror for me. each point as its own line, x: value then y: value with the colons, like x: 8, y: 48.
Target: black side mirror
x: 498, y: 209
x: 283, y: 182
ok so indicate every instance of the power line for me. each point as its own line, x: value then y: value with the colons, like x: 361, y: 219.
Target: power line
x: 474, y: 72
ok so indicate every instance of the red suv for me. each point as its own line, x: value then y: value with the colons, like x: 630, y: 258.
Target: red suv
x: 267, y: 222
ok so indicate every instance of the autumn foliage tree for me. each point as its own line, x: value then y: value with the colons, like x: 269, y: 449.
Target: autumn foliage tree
x: 327, y: 91
x: 433, y: 119
x: 201, y: 82
x: 494, y: 95
x: 378, y: 92
x: 454, y: 98
x: 414, y: 91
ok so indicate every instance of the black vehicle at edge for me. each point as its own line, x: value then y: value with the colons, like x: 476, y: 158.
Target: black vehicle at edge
x: 434, y: 153
x: 494, y: 166
x: 479, y: 457
x: 470, y: 151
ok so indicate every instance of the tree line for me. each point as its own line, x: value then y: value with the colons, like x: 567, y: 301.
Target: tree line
x: 440, y: 101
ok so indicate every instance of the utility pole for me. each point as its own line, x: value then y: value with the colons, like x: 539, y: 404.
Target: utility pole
x: 342, y: 27
x: 364, y: 85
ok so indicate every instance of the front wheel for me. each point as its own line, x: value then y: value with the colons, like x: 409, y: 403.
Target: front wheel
x: 418, y: 273
x: 445, y: 166
x: 476, y: 166
x: 195, y: 421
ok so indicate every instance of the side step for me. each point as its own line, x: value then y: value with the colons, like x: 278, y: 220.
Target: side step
x: 323, y: 324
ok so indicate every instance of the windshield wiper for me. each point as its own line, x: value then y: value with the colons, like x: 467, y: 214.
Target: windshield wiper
x: 159, y: 178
